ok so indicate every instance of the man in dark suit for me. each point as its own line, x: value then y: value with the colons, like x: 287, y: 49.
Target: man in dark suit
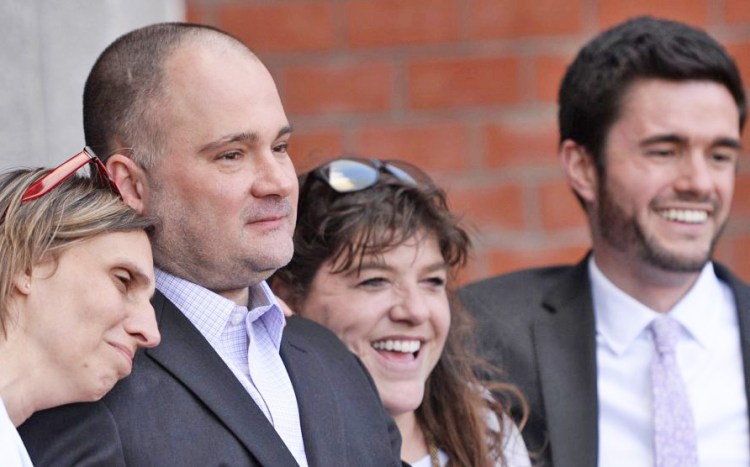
x: 191, y: 126
x: 639, y: 354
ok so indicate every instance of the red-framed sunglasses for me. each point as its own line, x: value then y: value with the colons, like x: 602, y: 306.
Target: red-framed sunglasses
x: 65, y: 170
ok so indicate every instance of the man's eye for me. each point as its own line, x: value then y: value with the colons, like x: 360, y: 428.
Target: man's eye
x: 230, y: 156
x: 662, y: 152
x: 723, y: 157
x: 282, y: 147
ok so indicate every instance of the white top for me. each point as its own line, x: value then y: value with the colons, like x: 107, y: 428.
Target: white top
x: 709, y: 358
x: 514, y: 449
x: 12, y: 451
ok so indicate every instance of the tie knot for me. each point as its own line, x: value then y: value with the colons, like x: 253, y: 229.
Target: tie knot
x: 666, y: 331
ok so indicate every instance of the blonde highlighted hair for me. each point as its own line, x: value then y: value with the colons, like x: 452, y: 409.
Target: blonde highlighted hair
x: 40, y: 229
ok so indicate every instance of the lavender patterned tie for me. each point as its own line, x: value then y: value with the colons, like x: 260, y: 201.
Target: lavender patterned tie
x: 675, y: 443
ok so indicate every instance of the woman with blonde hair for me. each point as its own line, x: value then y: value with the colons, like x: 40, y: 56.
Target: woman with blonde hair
x: 376, y: 253
x: 76, y: 277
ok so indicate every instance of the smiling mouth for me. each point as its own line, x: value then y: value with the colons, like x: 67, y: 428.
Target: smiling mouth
x: 688, y: 216
x: 402, y: 346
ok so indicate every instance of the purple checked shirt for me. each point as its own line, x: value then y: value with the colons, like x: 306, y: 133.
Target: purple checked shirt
x: 248, y: 340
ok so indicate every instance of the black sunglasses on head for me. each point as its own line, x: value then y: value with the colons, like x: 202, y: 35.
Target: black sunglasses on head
x: 348, y: 175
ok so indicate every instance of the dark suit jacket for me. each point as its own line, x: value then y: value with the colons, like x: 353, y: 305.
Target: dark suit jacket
x: 538, y: 326
x: 183, y: 406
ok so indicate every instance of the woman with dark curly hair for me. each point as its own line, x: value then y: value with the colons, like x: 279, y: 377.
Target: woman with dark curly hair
x: 376, y: 254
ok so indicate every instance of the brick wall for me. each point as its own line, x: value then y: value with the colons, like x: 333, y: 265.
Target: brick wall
x: 466, y: 89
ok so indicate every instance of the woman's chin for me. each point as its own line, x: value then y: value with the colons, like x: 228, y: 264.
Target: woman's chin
x: 402, y: 400
x: 103, y: 385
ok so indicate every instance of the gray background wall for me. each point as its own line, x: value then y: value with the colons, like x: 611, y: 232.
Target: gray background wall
x: 47, y: 48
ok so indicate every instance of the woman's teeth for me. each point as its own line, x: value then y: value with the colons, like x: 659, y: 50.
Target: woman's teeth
x: 406, y: 346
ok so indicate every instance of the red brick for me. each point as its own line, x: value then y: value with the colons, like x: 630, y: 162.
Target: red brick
x: 549, y: 71
x: 438, y: 147
x: 734, y: 252
x: 310, y: 148
x: 559, y: 207
x: 395, y: 22
x: 473, y: 270
x: 434, y: 84
x: 693, y: 12
x: 513, y: 18
x: 736, y: 11
x: 745, y: 159
x: 521, y: 143
x: 338, y: 88
x: 282, y: 27
x: 741, y: 204
x: 740, y: 51
x: 488, y: 207
x: 195, y: 13
x: 507, y: 260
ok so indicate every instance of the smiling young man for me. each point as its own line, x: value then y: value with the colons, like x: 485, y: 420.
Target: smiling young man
x: 192, y: 128
x: 639, y: 355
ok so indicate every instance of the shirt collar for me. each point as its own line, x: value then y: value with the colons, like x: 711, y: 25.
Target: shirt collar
x: 699, y: 307
x: 210, y: 313
x: 265, y: 307
x: 620, y: 318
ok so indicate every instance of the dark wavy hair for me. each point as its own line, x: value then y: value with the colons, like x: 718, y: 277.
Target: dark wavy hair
x: 592, y: 90
x: 343, y: 229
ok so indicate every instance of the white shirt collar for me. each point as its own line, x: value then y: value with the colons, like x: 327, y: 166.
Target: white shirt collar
x: 620, y: 318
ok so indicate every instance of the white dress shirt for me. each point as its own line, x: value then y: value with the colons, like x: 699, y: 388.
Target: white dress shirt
x: 12, y: 451
x: 709, y: 357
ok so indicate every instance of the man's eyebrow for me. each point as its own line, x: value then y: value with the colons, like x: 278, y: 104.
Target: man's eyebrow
x: 733, y: 143
x: 237, y: 137
x: 285, y: 131
x: 663, y: 138
x: 249, y: 137
x: 676, y: 139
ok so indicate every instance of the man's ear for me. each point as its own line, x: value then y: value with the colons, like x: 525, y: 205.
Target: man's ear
x: 580, y: 169
x: 130, y: 179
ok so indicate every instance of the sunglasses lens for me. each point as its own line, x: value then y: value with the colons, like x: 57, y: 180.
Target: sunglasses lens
x: 400, y: 174
x: 345, y: 175
x: 408, y: 173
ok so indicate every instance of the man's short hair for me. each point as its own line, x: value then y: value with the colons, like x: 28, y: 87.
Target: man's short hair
x: 122, y: 94
x: 642, y: 48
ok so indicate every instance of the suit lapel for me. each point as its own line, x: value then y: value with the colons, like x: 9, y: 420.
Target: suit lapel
x: 741, y: 293
x: 564, y: 339
x: 189, y: 358
x: 318, y: 411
